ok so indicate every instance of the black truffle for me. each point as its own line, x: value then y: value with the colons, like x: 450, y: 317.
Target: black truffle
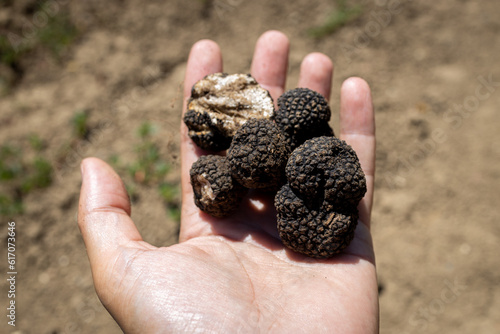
x: 295, y: 140
x: 220, y: 103
x: 303, y: 114
x: 215, y: 191
x: 205, y: 136
x: 317, y: 209
x: 326, y: 168
x: 318, y: 233
x: 258, y: 155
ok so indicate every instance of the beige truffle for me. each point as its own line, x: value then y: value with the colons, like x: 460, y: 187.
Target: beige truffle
x: 220, y: 104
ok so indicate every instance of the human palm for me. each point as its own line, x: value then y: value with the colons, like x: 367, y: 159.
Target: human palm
x: 234, y: 274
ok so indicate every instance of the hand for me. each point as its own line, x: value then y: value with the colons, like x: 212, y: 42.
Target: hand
x: 234, y: 274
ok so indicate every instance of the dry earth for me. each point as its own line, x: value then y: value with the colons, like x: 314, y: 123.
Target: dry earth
x: 436, y: 219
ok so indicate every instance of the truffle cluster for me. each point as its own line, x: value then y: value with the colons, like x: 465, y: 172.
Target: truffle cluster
x: 291, y: 151
x: 256, y: 159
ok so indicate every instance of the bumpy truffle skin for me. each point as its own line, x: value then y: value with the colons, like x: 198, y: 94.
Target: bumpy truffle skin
x: 317, y: 233
x: 215, y: 191
x: 208, y: 138
x: 303, y: 114
x: 326, y: 169
x: 220, y: 103
x: 258, y: 155
x: 317, y: 209
x: 293, y: 141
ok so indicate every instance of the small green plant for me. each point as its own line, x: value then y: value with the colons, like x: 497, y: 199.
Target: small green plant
x: 81, y: 129
x: 36, y: 143
x: 336, y: 19
x: 10, y: 165
x: 58, y: 34
x: 146, y: 130
x: 8, y: 56
x: 170, y: 194
x: 19, y: 176
x: 9, y: 62
x: 39, y: 175
x: 80, y: 124
x: 114, y: 161
x: 150, y: 168
x: 10, y: 206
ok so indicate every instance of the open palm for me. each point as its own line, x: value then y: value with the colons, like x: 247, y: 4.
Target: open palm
x: 234, y: 274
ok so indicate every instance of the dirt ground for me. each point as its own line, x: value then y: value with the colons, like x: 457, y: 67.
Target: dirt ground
x: 434, y: 73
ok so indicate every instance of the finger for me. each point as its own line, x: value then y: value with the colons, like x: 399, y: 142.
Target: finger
x: 357, y: 128
x: 205, y: 58
x: 104, y: 213
x: 316, y: 72
x: 270, y: 62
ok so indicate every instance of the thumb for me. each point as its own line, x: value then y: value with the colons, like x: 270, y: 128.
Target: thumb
x: 104, y: 215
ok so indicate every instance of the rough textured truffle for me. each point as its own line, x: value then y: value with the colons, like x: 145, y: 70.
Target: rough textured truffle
x: 303, y: 114
x: 220, y: 103
x: 317, y: 209
x: 295, y: 140
x: 326, y: 168
x: 215, y: 191
x: 206, y: 137
x: 318, y: 233
x: 258, y: 155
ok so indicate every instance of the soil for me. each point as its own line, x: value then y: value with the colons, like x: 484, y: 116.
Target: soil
x: 433, y: 69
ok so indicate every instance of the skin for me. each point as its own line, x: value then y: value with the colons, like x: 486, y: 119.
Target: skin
x: 234, y: 274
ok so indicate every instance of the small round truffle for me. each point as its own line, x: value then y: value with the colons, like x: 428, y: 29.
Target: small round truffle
x: 258, y: 155
x: 317, y: 233
x: 220, y: 103
x: 215, y: 191
x: 303, y: 114
x: 326, y: 169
